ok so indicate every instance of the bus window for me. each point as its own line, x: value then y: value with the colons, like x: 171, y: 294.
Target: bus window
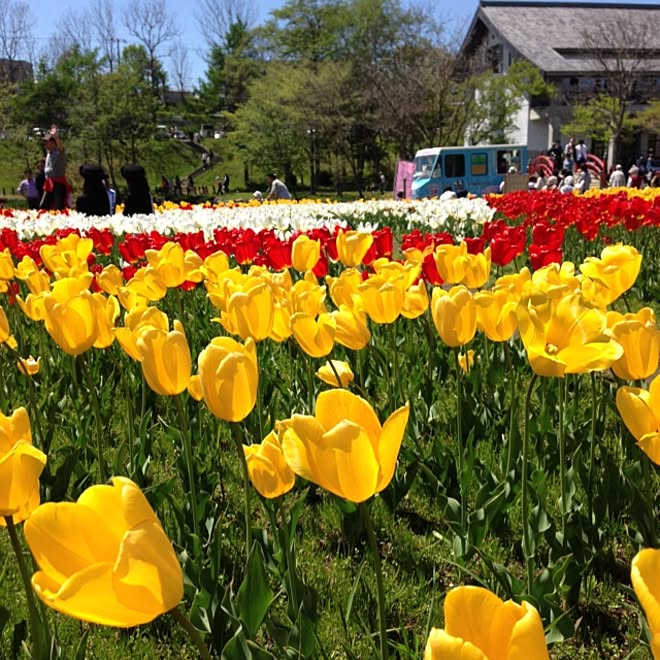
x: 502, y: 162
x: 507, y: 159
x: 423, y: 165
x: 454, y: 165
x: 478, y: 164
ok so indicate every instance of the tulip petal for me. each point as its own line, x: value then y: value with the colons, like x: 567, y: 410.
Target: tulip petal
x: 299, y: 445
x: 468, y: 613
x: 527, y: 638
x: 334, y: 406
x: 350, y: 449
x: 645, y: 574
x: 442, y: 646
x: 65, y: 538
x: 147, y: 574
x: 650, y: 445
x: 390, y: 444
x: 634, y: 406
x: 19, y: 481
x: 596, y: 356
x: 89, y: 595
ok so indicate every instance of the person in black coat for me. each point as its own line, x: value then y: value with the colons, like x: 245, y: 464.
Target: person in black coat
x: 94, y: 198
x: 138, y: 199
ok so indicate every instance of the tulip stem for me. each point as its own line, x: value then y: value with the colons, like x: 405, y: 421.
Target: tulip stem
x: 188, y: 459
x: 395, y: 366
x: 373, y: 546
x: 193, y: 633
x: 527, y: 542
x: 246, y: 486
x: 331, y: 362
x: 460, y: 453
x: 91, y: 388
x: 37, y: 631
x: 590, y: 478
x: 562, y: 460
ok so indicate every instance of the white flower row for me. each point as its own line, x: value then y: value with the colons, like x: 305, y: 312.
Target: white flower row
x: 434, y: 215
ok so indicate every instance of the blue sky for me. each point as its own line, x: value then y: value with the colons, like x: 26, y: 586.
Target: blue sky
x: 457, y: 14
x: 47, y: 13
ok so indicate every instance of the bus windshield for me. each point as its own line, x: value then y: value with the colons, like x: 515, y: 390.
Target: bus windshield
x: 424, y: 165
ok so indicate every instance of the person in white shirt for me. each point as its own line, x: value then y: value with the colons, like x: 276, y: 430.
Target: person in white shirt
x: 617, y: 178
x: 278, y: 190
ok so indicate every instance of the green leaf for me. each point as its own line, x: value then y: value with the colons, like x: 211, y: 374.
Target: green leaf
x: 254, y: 595
x: 4, y: 618
x: 81, y: 648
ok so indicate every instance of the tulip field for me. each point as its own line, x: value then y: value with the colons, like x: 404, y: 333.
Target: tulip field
x: 412, y: 429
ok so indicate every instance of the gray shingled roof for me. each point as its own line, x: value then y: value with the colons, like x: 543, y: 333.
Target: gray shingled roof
x: 549, y: 34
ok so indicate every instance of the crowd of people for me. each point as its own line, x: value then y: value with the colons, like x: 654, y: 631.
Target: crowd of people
x: 51, y: 190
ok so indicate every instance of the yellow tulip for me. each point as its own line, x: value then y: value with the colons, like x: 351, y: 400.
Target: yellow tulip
x: 281, y: 328
x: 477, y: 269
x: 640, y: 411
x: 148, y: 284
x: 329, y: 373
x: 451, y: 262
x: 615, y: 272
x: 20, y: 467
x: 351, y: 328
x: 33, y: 306
x: 110, y: 280
x: 7, y: 269
x: 71, y: 315
x: 640, y: 338
x: 269, y: 472
x: 315, y: 336
x: 305, y: 253
x: 29, y: 366
x: 107, y: 311
x: 105, y: 558
x: 344, y: 289
x: 165, y: 359
x: 416, y: 301
x: 5, y: 331
x: 229, y: 375
x: 214, y: 266
x: 454, y: 315
x: 250, y: 313
x: 37, y: 280
x: 343, y: 448
x: 383, y: 299
x: 67, y: 257
x: 466, y: 361
x: 307, y: 296
x: 514, y: 283
x: 481, y: 626
x: 496, y: 314
x: 565, y: 336
x: 135, y: 320
x: 645, y: 578
x: 556, y: 280
x: 174, y: 265
x: 352, y: 246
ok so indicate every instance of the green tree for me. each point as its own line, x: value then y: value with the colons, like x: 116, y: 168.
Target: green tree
x: 497, y: 99
x: 268, y: 128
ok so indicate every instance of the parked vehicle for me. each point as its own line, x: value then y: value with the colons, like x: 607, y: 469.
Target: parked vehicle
x: 476, y: 169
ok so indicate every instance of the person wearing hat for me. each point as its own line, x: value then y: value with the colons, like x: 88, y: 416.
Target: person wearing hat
x: 56, y: 186
x: 278, y: 189
x: 567, y: 185
x: 617, y: 178
x: 634, y: 178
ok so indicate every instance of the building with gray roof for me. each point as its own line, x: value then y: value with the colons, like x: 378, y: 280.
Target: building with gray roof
x: 583, y: 48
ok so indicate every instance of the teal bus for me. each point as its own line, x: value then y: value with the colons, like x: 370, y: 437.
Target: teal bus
x: 478, y: 170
